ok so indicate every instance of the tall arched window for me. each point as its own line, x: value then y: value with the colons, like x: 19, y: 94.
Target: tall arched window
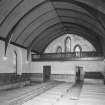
x: 77, y: 50
x: 67, y: 44
x: 15, y: 60
x: 59, y: 49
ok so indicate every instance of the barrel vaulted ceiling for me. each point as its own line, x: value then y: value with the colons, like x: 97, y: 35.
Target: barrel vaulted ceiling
x: 33, y: 24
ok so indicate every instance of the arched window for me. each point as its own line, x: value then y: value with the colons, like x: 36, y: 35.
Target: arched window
x: 59, y: 49
x: 67, y: 44
x: 15, y: 60
x: 78, y: 50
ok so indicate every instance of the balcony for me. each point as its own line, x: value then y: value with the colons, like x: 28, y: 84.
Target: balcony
x: 67, y: 56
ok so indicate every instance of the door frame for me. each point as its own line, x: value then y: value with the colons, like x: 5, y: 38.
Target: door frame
x: 45, y: 73
x: 81, y: 76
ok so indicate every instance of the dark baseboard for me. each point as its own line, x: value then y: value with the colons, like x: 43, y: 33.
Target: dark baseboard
x: 94, y: 75
x: 6, y: 78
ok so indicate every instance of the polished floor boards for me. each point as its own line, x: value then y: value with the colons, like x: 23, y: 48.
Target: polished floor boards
x: 71, y: 94
x: 55, y: 93
x: 20, y: 95
x: 63, y: 94
x: 92, y: 95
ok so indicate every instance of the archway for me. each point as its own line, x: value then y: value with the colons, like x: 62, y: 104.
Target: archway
x: 15, y: 61
x: 77, y: 49
x: 59, y: 50
x: 67, y: 44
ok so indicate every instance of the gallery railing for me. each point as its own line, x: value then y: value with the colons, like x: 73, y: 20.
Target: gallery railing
x: 65, y: 56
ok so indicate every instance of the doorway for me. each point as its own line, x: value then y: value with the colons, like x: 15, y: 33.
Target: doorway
x: 79, y: 74
x: 46, y: 73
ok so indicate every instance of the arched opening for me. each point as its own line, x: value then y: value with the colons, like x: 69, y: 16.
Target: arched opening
x: 15, y: 61
x: 77, y: 49
x: 67, y: 44
x: 59, y: 50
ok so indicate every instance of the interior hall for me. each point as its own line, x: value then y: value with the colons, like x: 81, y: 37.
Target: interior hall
x: 52, y: 52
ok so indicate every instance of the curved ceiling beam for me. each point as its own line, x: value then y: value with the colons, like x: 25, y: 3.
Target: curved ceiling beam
x: 93, y: 34
x: 7, y: 7
x: 85, y: 23
x: 66, y: 5
x: 19, y: 28
x: 68, y: 25
x: 72, y: 29
x: 41, y: 11
x: 35, y: 24
x: 42, y: 47
x: 66, y: 12
x: 47, y: 35
x: 92, y: 9
x: 34, y: 40
x: 95, y: 5
x: 9, y: 37
x: 46, y: 29
x: 32, y: 33
x: 72, y: 21
x: 41, y: 28
x: 9, y: 28
x: 18, y: 14
x: 56, y: 28
x: 75, y: 11
x: 26, y: 31
x: 86, y: 29
x: 41, y: 6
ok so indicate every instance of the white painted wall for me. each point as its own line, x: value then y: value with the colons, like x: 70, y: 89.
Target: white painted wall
x: 65, y: 70
x: 67, y: 67
x: 86, y: 45
x: 8, y: 66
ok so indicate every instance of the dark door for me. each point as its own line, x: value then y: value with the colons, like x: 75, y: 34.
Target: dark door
x: 79, y: 74
x: 46, y: 73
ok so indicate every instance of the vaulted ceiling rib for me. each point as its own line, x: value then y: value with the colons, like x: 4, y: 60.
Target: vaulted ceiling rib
x: 28, y: 22
x: 72, y: 29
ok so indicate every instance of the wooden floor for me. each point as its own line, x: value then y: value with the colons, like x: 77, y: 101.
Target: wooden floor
x: 55, y: 93
x: 21, y: 95
x: 92, y: 95
x: 70, y: 94
x: 51, y: 97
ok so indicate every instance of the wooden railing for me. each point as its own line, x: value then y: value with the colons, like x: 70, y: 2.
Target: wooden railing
x: 65, y: 56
